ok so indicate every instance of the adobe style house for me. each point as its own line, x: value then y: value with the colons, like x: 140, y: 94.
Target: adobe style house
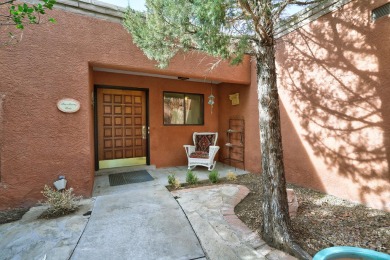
x: 79, y: 96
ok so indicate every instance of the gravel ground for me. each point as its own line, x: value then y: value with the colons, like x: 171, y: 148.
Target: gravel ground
x: 322, y: 220
x: 10, y: 215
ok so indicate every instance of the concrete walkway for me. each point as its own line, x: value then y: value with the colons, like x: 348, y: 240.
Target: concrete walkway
x: 143, y: 221
x: 166, y: 233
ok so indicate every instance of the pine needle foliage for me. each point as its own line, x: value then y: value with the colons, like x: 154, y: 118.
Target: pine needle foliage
x: 170, y: 26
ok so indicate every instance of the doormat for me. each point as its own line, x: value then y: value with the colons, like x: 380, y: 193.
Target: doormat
x: 129, y: 177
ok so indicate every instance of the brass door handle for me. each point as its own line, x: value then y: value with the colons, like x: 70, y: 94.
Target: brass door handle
x: 143, y: 132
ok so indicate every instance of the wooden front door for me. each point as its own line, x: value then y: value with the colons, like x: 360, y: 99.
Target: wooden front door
x: 122, y: 129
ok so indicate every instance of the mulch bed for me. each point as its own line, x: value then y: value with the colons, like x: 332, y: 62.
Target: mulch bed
x: 11, y: 215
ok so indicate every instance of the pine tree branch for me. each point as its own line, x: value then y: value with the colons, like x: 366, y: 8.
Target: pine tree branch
x: 7, y: 2
x: 302, y: 3
x: 281, y: 8
x: 260, y: 30
x: 286, y: 3
x: 236, y: 18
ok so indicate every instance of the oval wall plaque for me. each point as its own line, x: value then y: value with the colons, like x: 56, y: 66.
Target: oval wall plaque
x: 68, y: 105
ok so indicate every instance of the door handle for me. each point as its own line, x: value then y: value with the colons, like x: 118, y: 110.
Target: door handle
x: 143, y: 132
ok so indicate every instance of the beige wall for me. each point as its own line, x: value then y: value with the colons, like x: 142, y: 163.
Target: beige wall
x: 334, y: 82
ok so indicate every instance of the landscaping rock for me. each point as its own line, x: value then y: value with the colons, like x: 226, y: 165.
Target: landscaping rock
x: 292, y: 203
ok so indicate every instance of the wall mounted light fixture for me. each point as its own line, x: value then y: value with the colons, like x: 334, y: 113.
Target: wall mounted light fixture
x: 211, y: 99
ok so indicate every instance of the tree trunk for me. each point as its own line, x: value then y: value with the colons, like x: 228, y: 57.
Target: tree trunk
x: 276, y: 220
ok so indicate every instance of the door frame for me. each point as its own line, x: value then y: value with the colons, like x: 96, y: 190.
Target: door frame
x: 95, y: 123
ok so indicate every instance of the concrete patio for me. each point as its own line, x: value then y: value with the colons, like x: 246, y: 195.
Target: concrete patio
x: 160, y: 176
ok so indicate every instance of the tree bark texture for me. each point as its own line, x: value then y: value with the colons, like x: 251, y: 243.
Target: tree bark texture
x: 275, y: 206
x: 276, y: 221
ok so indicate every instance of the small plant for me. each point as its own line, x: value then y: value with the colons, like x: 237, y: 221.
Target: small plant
x: 60, y: 202
x: 214, y: 176
x: 231, y: 176
x: 191, y: 177
x: 173, y: 181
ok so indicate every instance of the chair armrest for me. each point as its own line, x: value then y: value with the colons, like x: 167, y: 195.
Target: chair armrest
x: 189, y: 149
x: 213, y: 150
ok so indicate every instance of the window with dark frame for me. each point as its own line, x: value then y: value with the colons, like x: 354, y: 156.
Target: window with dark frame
x: 183, y: 109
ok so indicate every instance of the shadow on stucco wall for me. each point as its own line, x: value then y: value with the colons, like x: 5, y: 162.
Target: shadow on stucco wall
x: 334, y: 74
x: 298, y: 166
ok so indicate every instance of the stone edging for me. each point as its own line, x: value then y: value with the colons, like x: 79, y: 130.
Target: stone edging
x: 228, y: 207
x: 230, y: 217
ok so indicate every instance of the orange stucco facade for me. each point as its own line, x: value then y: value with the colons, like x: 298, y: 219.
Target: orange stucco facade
x: 40, y: 143
x: 67, y: 60
x: 333, y: 79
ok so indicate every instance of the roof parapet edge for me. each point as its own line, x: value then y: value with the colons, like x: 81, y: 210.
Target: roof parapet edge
x: 101, y: 10
x: 93, y: 8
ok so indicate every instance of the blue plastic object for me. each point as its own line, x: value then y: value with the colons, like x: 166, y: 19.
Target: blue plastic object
x: 338, y: 252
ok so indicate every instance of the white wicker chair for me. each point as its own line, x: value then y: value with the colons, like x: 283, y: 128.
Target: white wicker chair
x: 203, y: 151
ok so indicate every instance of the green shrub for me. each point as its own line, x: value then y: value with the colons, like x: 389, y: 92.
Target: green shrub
x: 60, y: 202
x: 173, y: 181
x: 231, y: 176
x: 214, y: 176
x: 191, y: 177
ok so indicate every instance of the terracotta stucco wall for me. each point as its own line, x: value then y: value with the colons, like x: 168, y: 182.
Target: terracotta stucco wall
x: 334, y: 79
x: 248, y: 110
x: 38, y: 142
x: 296, y: 158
